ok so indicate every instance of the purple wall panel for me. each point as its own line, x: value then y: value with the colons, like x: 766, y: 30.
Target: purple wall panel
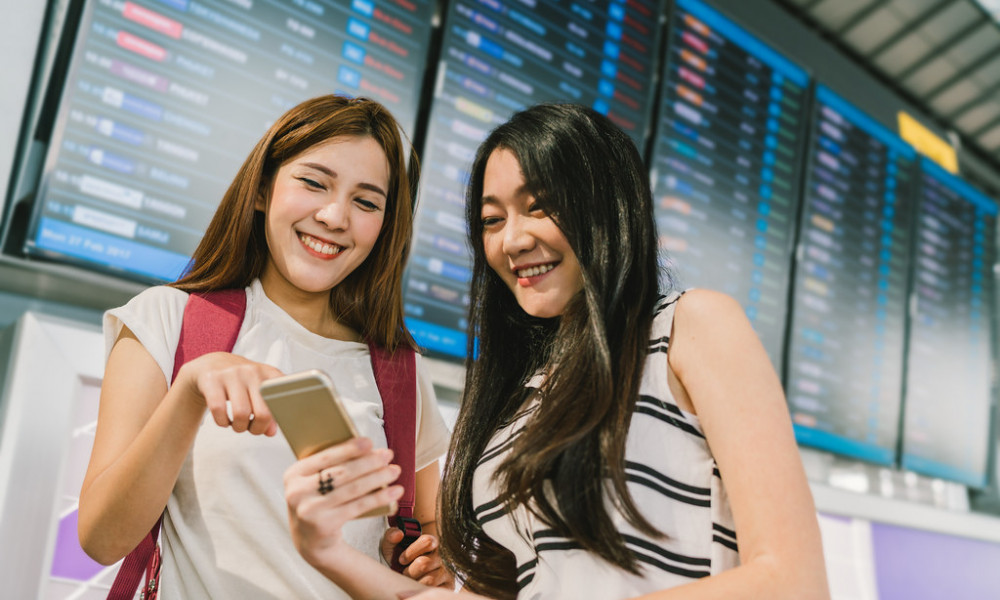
x: 911, y: 564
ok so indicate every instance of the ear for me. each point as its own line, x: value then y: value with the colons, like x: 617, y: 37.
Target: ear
x: 261, y: 202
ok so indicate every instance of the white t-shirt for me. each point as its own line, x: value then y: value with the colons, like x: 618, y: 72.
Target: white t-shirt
x: 225, y: 532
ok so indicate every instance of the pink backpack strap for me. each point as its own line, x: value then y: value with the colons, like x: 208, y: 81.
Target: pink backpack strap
x: 211, y: 322
x: 396, y: 378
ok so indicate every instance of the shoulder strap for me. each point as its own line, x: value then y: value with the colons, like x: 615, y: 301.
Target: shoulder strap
x: 212, y: 320
x: 396, y: 378
x: 211, y: 323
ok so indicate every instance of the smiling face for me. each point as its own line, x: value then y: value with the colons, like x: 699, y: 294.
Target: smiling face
x: 522, y: 243
x: 324, y: 215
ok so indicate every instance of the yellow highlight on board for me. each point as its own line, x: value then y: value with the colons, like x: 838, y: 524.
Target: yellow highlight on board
x: 823, y: 223
x: 474, y: 110
x: 816, y: 286
x: 927, y: 142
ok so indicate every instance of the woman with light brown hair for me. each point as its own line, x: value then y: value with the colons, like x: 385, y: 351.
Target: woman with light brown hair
x: 315, y: 229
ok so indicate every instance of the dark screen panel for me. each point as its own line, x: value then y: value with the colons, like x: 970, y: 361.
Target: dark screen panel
x: 845, y: 360
x: 497, y: 58
x: 949, y: 376
x: 164, y: 100
x: 733, y: 120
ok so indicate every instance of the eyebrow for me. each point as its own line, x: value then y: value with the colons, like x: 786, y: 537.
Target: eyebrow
x: 520, y: 191
x: 331, y: 173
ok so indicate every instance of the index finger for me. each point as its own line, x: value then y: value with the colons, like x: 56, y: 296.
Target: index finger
x: 332, y: 456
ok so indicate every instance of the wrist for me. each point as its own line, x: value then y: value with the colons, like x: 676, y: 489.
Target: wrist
x: 184, y: 403
x: 337, y: 561
x: 186, y: 385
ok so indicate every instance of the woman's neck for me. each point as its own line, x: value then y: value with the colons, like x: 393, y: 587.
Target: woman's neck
x: 310, y: 309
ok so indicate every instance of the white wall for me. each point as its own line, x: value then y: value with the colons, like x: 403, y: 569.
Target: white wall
x: 20, y: 28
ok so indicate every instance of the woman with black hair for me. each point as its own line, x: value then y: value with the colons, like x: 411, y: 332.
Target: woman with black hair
x: 612, y: 442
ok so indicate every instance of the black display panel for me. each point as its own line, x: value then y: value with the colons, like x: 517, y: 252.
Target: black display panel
x: 847, y: 332
x: 165, y: 98
x: 497, y: 58
x: 948, y: 407
x: 733, y: 121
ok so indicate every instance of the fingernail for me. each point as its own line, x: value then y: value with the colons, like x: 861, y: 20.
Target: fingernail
x: 395, y: 491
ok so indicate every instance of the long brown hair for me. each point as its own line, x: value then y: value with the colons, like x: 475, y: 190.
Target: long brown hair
x: 588, y: 176
x: 234, y: 249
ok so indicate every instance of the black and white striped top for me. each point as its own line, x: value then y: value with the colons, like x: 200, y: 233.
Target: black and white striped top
x: 671, y: 475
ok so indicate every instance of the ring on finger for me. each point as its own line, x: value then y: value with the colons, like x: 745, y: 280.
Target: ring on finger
x: 325, y: 483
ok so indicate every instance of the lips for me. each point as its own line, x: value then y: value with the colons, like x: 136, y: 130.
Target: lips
x: 319, y: 246
x: 534, y: 270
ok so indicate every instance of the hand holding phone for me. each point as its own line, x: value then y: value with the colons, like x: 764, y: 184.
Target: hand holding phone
x: 311, y: 416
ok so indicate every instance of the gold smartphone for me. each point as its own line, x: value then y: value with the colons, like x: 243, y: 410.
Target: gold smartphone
x: 311, y: 416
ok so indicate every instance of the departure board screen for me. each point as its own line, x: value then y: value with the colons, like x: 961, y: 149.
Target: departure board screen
x: 497, y: 58
x: 164, y: 99
x: 948, y: 408
x: 846, y: 345
x: 727, y: 176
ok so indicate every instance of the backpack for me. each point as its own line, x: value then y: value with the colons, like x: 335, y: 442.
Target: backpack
x: 211, y: 323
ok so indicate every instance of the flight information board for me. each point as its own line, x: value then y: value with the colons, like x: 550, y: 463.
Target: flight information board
x: 165, y: 98
x: 497, y: 58
x: 948, y: 407
x: 727, y: 176
x: 846, y: 345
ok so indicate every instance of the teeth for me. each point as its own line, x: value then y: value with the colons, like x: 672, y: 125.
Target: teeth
x: 535, y: 271
x: 319, y: 246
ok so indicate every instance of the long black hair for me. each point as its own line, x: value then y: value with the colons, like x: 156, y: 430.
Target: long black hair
x: 589, y: 178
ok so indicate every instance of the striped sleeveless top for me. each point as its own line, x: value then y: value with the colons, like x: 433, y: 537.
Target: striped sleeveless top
x: 672, y: 477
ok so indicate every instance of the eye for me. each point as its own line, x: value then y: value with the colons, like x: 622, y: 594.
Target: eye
x: 490, y: 221
x: 311, y: 183
x: 367, y: 205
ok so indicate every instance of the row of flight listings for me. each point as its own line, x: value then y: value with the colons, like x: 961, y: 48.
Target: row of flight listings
x: 866, y: 270
x: 862, y: 222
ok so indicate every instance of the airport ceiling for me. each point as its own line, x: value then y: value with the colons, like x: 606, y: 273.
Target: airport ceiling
x: 942, y: 55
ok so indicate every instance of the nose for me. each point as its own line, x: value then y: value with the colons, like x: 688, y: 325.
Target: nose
x: 334, y: 214
x: 517, y: 236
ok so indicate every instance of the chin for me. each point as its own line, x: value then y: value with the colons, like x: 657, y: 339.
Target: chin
x: 543, y: 312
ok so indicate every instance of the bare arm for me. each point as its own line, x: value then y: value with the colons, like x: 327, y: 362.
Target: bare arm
x: 726, y: 377
x: 144, y: 432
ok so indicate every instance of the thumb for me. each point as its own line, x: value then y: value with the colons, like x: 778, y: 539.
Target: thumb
x: 392, y: 536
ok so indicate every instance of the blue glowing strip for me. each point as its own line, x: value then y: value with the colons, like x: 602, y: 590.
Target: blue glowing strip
x: 959, y: 186
x: 864, y: 121
x: 93, y: 246
x: 934, y: 468
x: 808, y: 436
x: 437, y: 338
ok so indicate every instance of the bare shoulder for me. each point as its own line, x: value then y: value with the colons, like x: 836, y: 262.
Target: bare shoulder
x: 710, y: 328
x: 699, y: 308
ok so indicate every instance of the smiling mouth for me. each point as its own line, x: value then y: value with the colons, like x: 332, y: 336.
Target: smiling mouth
x: 535, y: 271
x: 320, y: 246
